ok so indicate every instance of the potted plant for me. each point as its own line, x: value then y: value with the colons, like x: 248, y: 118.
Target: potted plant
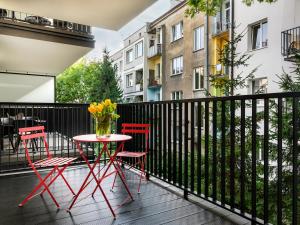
x: 103, y: 113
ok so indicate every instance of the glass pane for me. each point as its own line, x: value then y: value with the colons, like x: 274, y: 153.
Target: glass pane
x: 196, y: 79
x: 264, y: 32
x: 256, y: 37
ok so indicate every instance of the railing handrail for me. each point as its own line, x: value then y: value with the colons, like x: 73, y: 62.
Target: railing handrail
x: 227, y: 98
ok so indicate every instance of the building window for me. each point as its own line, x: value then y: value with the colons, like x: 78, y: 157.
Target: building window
x: 129, y: 56
x: 199, y: 38
x: 177, y: 31
x: 177, y: 65
x: 176, y: 95
x: 139, y: 49
x: 259, y: 36
x: 259, y: 86
x: 198, y: 78
x: 129, y: 80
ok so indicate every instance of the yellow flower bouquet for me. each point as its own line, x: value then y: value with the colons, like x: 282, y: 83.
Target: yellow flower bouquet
x: 103, y: 113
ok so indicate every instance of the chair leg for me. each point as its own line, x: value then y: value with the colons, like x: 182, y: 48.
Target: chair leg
x: 142, y: 172
x: 60, y: 173
x: 120, y: 169
x: 35, y: 189
x: 68, y: 185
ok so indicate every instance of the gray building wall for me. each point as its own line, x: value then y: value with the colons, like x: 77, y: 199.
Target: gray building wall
x: 184, y: 47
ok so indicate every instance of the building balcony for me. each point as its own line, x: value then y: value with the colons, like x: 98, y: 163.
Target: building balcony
x: 138, y: 87
x: 220, y: 26
x: 155, y: 50
x: 290, y: 43
x: 154, y: 83
x: 44, y: 23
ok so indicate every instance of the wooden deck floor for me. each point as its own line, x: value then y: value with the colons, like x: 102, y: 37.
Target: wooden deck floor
x: 155, y: 205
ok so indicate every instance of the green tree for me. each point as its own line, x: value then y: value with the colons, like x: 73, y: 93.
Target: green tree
x: 105, y: 82
x: 211, y: 7
x: 70, y: 87
x: 86, y: 82
x: 228, y: 56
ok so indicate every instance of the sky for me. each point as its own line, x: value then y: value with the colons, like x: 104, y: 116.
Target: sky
x: 113, y: 40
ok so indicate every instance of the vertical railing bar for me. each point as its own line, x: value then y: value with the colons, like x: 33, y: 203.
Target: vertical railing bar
x: 186, y: 130
x: 155, y: 122
x: 214, y: 152
x: 174, y: 142
x: 253, y: 153
x: 242, y: 174
x: 164, y: 141
x: 160, y: 140
x: 153, y: 138
x: 223, y: 155
x: 206, y: 148
x: 180, y: 145
x: 232, y: 152
x: 169, y: 143
x: 199, y: 152
x: 279, y: 162
x: 295, y: 160
x: 192, y: 151
x: 266, y: 160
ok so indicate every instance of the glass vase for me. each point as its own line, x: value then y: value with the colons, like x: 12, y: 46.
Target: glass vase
x: 103, y: 128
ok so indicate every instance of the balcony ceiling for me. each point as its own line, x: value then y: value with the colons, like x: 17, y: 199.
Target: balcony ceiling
x: 109, y: 14
x: 19, y: 54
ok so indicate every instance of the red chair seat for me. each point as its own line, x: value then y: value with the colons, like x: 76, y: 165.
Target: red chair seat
x: 131, y: 154
x: 57, y: 161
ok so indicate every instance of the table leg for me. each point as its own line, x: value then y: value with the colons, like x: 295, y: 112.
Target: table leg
x: 83, y: 186
x: 112, y: 162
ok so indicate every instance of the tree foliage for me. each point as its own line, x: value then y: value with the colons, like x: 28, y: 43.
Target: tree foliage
x: 228, y: 56
x: 211, y: 7
x: 86, y: 82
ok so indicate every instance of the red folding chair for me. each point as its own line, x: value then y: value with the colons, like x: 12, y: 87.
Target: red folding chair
x: 59, y: 164
x: 139, y: 155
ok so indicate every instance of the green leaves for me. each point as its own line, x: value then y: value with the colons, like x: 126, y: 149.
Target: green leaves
x: 211, y: 7
x: 92, y: 81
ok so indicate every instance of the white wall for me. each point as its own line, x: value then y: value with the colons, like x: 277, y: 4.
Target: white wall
x: 24, y: 88
x: 281, y: 16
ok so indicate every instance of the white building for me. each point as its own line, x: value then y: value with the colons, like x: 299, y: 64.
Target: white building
x: 265, y: 23
x: 132, y: 66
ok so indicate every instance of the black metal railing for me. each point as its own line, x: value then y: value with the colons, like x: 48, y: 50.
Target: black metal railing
x: 26, y: 18
x: 290, y: 42
x: 240, y: 153
x: 62, y: 122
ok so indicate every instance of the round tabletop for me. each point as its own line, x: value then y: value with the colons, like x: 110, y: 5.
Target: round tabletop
x: 93, y: 138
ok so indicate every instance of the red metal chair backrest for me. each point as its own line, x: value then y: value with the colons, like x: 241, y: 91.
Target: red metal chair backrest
x: 30, y: 133
x: 137, y: 128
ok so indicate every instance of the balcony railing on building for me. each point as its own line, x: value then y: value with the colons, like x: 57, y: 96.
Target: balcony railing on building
x: 225, y: 150
x: 290, y: 43
x: 25, y: 18
x: 155, y: 50
x: 220, y: 26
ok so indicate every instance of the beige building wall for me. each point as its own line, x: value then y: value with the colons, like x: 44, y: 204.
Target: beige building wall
x: 184, y: 47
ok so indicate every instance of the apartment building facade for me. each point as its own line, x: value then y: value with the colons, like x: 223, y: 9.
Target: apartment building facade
x: 134, y: 66
x: 180, y: 66
x: 118, y: 61
x: 271, y: 32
